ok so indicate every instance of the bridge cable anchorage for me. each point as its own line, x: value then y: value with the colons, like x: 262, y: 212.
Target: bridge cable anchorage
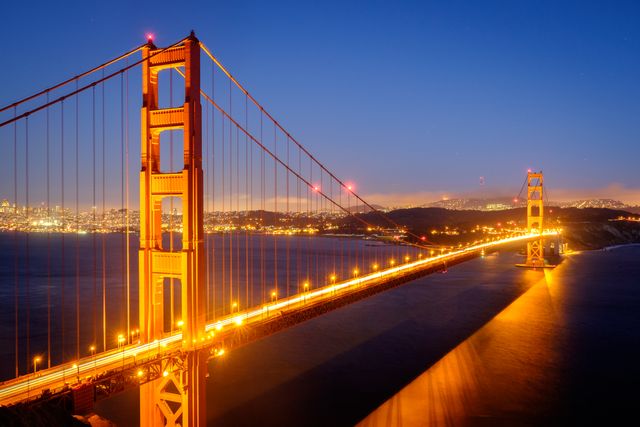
x: 276, y: 123
x: 74, y: 78
x: 87, y: 86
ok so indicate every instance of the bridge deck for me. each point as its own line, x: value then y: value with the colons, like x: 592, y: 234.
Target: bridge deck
x: 143, y: 362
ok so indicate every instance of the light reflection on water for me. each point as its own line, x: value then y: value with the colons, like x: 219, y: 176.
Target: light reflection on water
x: 498, y: 370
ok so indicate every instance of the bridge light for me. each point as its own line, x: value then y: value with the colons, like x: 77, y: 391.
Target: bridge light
x: 375, y: 267
x: 356, y: 272
x: 392, y: 262
x: 140, y: 373
x: 180, y: 323
x: 149, y: 37
x: 218, y: 326
x: 305, y: 286
x: 165, y: 374
x: 238, y: 321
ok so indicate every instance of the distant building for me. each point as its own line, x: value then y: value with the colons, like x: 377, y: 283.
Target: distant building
x: 5, y: 206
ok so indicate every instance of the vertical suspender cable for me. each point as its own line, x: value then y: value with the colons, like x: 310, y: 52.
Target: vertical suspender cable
x: 123, y: 257
x: 48, y: 245
x: 275, y: 212
x: 288, y: 215
x: 223, y: 218
x: 246, y: 202
x: 236, y: 232
x: 231, y: 295
x: 77, y: 227
x: 262, y: 209
x: 104, y: 242
x: 15, y: 244
x: 63, y: 272
x: 94, y: 307
x: 206, y: 204
x: 213, y: 194
x: 127, y: 229
x: 27, y: 279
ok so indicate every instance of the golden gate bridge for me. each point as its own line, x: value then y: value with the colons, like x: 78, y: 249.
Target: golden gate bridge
x: 240, y: 232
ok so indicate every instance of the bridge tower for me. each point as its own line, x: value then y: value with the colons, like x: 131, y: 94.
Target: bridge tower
x: 177, y: 397
x: 535, y: 213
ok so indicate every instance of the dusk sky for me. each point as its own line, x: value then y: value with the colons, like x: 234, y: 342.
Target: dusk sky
x: 412, y: 101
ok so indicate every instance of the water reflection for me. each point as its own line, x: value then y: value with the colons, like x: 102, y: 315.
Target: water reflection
x: 507, y: 366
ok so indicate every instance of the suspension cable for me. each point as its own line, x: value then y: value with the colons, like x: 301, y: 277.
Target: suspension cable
x: 278, y: 160
x: 79, y: 76
x: 276, y: 123
x: 87, y: 86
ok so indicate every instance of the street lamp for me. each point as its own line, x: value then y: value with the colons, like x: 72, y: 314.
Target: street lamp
x: 36, y: 360
x: 77, y: 368
x: 305, y: 288
x: 92, y: 349
x: 333, y: 278
x: 274, y: 294
x: 121, y: 341
x: 234, y: 306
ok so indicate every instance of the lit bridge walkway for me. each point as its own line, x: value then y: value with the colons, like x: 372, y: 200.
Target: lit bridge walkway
x: 132, y: 365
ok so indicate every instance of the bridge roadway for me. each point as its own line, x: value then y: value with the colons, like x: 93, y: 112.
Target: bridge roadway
x: 239, y: 328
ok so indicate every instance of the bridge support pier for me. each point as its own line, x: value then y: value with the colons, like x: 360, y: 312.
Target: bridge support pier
x: 177, y: 396
x: 535, y: 215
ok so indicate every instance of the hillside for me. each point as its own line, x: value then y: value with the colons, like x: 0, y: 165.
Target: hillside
x: 585, y: 228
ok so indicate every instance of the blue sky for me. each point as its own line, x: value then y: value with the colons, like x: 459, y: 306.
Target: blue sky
x: 410, y: 100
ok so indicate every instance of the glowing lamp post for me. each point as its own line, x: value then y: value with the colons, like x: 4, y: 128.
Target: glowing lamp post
x: 305, y: 289
x: 36, y: 360
x: 121, y: 341
x: 92, y: 349
x: 77, y: 368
